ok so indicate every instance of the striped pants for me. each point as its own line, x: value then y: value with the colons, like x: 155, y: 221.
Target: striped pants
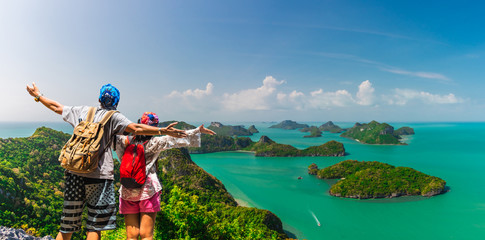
x: 97, y: 194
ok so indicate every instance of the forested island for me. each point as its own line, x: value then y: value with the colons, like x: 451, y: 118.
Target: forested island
x: 365, y: 180
x: 194, y: 203
x: 228, y: 130
x: 377, y: 133
x: 314, y: 132
x: 265, y: 147
x: 289, y: 125
x: 330, y: 127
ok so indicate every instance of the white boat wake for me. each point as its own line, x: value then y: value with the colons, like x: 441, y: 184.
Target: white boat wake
x: 316, y: 219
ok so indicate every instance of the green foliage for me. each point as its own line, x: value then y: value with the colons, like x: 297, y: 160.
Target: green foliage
x: 183, y: 217
x: 31, y: 180
x: 377, y: 180
x: 372, y: 133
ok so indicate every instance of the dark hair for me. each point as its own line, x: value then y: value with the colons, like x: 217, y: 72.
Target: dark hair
x: 142, y: 138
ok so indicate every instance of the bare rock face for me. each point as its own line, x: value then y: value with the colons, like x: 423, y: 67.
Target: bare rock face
x: 216, y: 124
x: 387, y: 130
x: 252, y: 129
x: 313, y: 169
x: 265, y: 139
x: 11, y: 233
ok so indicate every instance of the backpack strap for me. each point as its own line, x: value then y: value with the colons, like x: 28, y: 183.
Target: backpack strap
x: 106, y: 117
x: 90, y: 116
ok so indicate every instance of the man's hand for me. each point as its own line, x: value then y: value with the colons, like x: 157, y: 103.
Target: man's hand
x: 33, y: 91
x: 143, y: 129
x: 49, y: 103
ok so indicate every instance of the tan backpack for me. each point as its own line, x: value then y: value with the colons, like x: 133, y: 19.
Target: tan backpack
x: 81, y: 153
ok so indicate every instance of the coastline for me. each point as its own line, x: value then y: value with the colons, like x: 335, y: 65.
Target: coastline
x: 242, y: 203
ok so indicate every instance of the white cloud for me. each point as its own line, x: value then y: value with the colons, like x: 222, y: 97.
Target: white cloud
x: 324, y: 100
x: 197, y: 93
x: 365, y: 95
x: 403, y: 96
x: 253, y: 99
x: 429, y: 75
x: 270, y: 99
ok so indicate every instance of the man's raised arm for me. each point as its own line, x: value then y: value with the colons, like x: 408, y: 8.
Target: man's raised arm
x: 39, y: 97
x: 143, y: 129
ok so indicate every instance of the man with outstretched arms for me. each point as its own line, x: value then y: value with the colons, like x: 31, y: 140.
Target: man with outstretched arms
x: 95, y: 189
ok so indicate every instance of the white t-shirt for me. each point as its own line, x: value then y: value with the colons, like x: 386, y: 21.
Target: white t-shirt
x: 115, y: 126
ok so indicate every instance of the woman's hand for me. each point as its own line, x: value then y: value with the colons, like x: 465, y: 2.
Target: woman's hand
x: 174, y: 132
x: 202, y: 129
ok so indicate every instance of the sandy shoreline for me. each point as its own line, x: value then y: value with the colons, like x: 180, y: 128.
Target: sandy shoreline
x: 242, y: 203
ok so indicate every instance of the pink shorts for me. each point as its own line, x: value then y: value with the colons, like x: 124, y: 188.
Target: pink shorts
x: 148, y: 205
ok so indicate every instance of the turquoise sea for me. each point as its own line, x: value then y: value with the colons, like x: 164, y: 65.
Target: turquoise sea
x: 454, y: 152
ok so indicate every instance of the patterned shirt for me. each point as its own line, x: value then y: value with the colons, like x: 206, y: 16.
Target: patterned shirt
x: 152, y: 149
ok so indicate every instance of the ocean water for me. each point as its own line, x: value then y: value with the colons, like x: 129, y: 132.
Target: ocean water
x: 454, y: 152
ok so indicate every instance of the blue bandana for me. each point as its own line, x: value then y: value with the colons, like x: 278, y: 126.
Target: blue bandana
x: 109, y: 97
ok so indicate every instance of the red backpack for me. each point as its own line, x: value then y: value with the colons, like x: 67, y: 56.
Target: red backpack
x: 133, y: 165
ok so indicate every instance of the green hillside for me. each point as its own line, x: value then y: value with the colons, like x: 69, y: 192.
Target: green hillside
x: 195, y: 204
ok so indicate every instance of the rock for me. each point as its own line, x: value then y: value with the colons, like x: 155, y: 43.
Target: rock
x: 313, y: 169
x: 265, y: 139
x: 252, y: 129
x: 404, y: 131
x: 12, y: 233
x: 216, y: 124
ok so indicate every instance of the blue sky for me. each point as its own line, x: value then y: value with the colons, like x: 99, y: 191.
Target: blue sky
x: 248, y: 60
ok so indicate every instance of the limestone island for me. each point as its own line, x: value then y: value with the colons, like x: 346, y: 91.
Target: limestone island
x: 252, y: 129
x: 289, y: 125
x: 363, y: 180
x: 228, y: 130
x: 330, y: 127
x: 377, y: 133
x: 314, y: 132
x: 265, y: 147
